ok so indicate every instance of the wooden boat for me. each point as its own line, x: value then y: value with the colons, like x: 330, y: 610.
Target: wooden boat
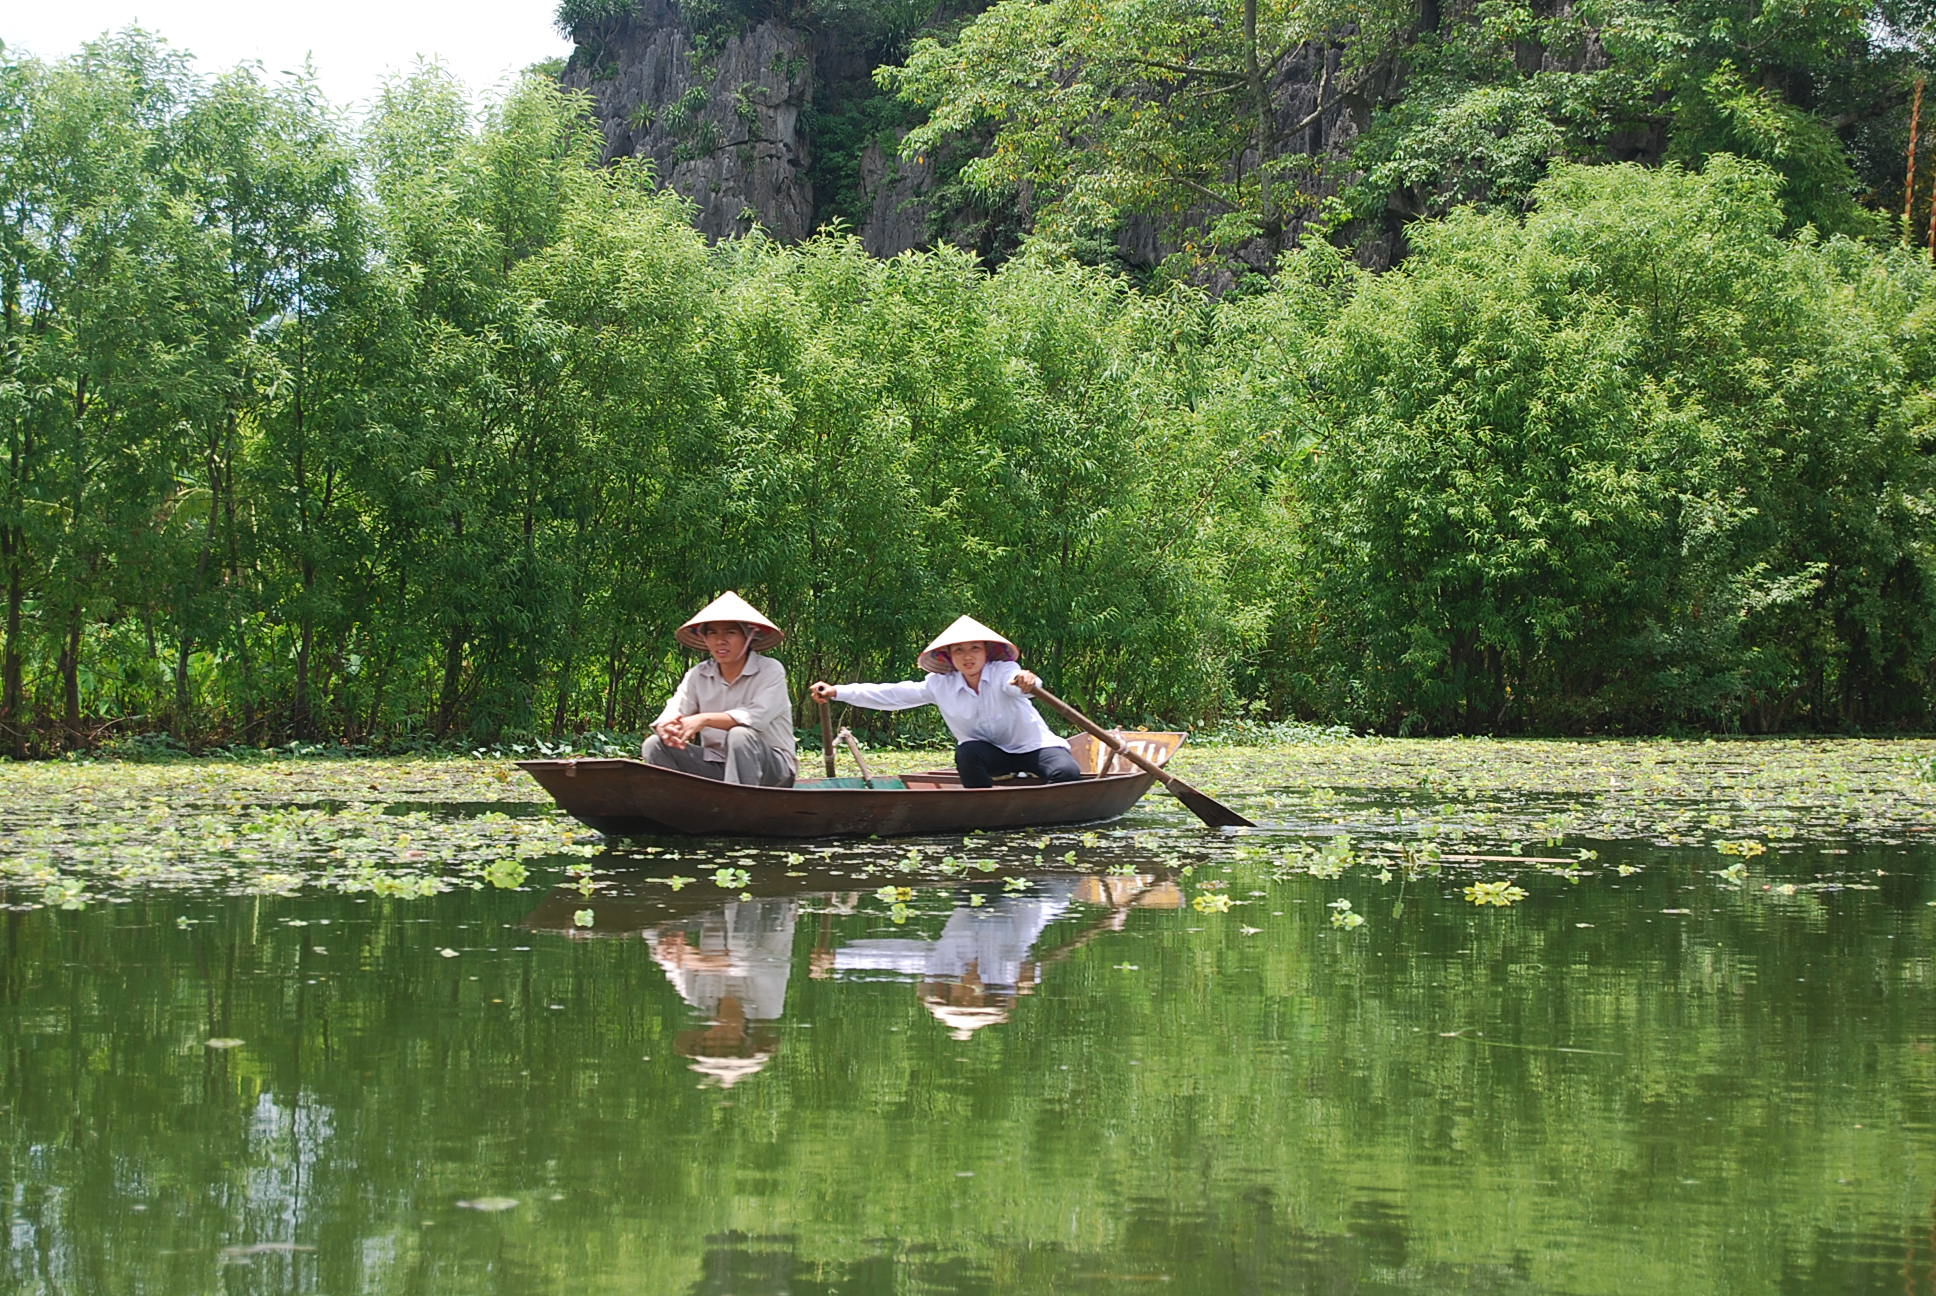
x: 626, y: 797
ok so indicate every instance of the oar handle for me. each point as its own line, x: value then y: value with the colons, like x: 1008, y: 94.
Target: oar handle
x: 1095, y: 730
x: 827, y: 735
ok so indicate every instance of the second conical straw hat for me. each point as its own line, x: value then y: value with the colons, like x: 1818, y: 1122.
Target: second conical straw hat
x: 965, y: 630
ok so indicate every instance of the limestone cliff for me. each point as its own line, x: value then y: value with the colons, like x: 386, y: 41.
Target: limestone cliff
x: 722, y: 127
x: 780, y: 125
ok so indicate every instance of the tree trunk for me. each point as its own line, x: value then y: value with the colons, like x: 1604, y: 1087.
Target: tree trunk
x: 299, y: 719
x: 560, y: 710
x: 614, y: 672
x: 1266, y: 128
x: 70, y: 673
x: 448, y: 692
x: 11, y: 680
x: 178, y: 724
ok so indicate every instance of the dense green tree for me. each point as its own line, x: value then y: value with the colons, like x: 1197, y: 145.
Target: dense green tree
x: 1099, y: 114
x: 1102, y: 110
x: 1497, y: 90
x: 106, y: 369
x: 276, y: 184
x: 1637, y: 459
x: 437, y: 429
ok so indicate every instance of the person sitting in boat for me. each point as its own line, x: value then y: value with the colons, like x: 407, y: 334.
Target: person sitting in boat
x: 974, y: 678
x: 731, y: 717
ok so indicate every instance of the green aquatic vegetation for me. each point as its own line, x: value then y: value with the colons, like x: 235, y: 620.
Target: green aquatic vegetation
x: 1343, y: 915
x: 1661, y: 791
x: 1211, y: 902
x: 84, y: 831
x: 1325, y: 861
x: 400, y: 886
x: 1500, y: 893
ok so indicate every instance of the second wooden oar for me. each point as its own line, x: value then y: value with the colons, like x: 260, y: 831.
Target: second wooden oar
x: 827, y: 735
x: 1205, y: 807
x: 853, y: 745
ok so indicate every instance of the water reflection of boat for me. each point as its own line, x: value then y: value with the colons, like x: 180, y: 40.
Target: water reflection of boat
x: 730, y: 960
x: 985, y: 957
x: 626, y: 797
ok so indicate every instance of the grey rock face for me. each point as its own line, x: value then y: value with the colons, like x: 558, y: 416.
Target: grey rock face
x: 898, y: 220
x: 729, y: 130
x: 724, y: 132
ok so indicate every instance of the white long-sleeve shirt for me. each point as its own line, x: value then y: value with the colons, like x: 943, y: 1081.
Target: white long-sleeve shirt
x: 997, y: 713
x: 757, y: 699
x: 995, y: 942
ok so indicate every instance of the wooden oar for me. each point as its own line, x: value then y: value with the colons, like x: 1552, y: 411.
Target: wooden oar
x: 1207, y: 808
x: 853, y: 745
x: 827, y: 735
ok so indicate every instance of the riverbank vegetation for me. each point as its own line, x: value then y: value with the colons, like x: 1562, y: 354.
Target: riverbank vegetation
x: 433, y: 428
x: 1459, y: 811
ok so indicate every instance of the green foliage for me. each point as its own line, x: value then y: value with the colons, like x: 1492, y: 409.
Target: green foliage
x: 842, y: 133
x: 436, y: 431
x: 1193, y: 119
x: 577, y: 18
x: 429, y: 433
x: 1501, y: 90
x: 1636, y: 460
x: 1100, y: 110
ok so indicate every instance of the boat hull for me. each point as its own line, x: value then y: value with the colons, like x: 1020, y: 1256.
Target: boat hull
x: 624, y: 797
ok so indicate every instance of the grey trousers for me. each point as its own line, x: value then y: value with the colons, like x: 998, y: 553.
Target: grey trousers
x: 748, y: 760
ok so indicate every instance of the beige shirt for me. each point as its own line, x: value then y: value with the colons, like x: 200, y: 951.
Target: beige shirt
x: 758, y: 699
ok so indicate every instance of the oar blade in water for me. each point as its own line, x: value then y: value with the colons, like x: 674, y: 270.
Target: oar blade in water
x: 1207, y: 808
x: 1201, y: 804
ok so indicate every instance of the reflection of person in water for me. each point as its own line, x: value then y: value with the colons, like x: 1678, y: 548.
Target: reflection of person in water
x: 984, y: 959
x: 730, y: 964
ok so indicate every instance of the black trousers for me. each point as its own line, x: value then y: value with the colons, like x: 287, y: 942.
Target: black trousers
x: 979, y: 762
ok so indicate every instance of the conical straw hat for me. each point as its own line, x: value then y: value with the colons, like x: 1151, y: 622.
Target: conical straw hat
x: 729, y: 1071
x: 731, y: 607
x: 965, y: 630
x: 963, y: 1022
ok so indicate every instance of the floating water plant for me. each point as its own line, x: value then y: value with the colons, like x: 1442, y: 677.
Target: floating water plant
x: 1502, y: 893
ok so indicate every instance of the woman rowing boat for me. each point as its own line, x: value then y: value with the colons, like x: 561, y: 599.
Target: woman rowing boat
x: 975, y: 680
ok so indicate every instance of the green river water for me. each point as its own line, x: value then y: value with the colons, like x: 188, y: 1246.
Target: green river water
x: 1697, y: 1056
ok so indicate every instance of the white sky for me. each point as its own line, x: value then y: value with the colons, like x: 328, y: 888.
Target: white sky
x: 353, y: 44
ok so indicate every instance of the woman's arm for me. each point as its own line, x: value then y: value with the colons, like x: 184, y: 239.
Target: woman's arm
x: 875, y: 697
